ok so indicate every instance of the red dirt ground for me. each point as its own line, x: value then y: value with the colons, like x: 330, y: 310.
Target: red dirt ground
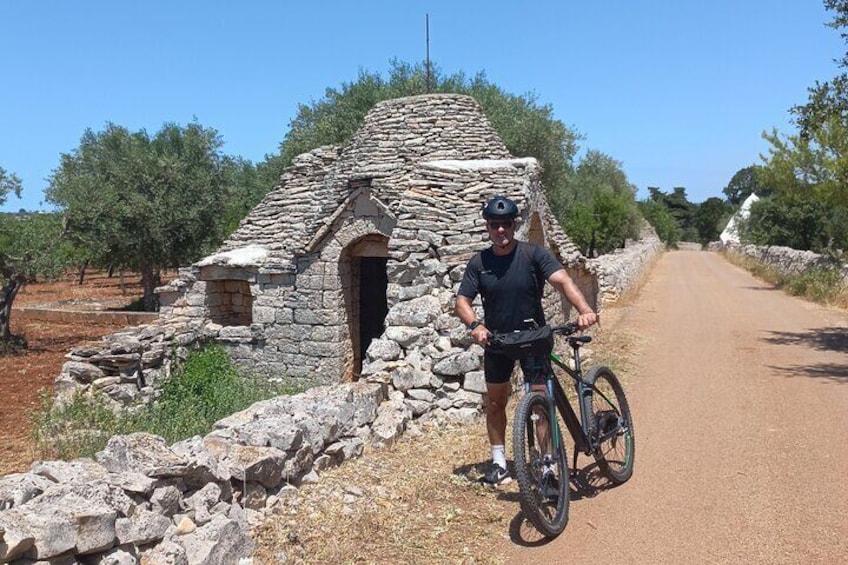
x: 24, y: 375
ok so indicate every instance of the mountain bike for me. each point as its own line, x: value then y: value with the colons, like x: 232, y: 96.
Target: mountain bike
x: 603, y: 430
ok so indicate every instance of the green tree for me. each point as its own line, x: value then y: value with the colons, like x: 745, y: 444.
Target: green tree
x: 809, y: 205
x: 245, y: 187
x: 11, y: 277
x: 683, y: 212
x: 9, y: 183
x: 800, y: 225
x: 745, y: 182
x: 144, y: 202
x: 808, y: 171
x: 603, y: 212
x: 660, y: 218
x: 810, y: 167
x: 40, y: 238
x: 30, y: 246
x: 828, y: 101
x: 710, y: 218
x: 679, y: 208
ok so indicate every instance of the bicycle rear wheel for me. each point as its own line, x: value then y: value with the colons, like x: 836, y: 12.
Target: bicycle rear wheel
x: 541, y: 466
x: 612, y: 426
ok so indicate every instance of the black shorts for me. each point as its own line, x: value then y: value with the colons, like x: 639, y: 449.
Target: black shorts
x: 498, y: 368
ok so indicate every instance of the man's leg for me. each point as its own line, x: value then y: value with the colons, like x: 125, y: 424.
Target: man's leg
x: 498, y: 370
x: 496, y: 412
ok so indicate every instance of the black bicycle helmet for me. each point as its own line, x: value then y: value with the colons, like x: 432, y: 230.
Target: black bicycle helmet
x: 500, y: 207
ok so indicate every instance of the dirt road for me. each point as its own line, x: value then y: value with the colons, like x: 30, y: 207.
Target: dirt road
x: 740, y: 403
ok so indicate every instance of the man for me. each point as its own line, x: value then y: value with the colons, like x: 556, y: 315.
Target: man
x: 510, y: 278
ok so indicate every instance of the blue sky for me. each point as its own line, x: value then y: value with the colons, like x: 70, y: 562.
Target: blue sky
x: 679, y: 92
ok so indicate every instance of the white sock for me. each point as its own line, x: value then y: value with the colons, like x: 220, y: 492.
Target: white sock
x: 499, y: 455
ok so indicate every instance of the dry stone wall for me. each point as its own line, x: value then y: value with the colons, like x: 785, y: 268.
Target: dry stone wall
x: 92, y: 318
x: 786, y: 259
x: 143, y: 501
x: 616, y: 272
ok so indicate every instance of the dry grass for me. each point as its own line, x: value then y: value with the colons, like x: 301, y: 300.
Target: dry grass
x: 824, y: 286
x: 417, y: 502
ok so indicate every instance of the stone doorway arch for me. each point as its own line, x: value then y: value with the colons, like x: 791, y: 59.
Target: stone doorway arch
x: 364, y: 284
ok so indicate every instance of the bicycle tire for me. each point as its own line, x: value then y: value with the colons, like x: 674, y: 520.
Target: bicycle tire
x: 612, y: 426
x: 544, y: 502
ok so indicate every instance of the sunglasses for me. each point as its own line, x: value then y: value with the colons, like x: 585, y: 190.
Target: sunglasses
x: 506, y: 224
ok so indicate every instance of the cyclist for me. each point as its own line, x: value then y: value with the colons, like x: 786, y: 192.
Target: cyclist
x: 510, y: 277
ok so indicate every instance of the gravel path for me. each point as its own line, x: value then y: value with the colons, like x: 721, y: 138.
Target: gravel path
x: 740, y: 403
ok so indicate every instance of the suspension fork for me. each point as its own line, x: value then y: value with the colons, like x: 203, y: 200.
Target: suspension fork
x: 556, y: 433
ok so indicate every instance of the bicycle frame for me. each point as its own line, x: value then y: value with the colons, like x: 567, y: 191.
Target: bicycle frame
x: 578, y: 427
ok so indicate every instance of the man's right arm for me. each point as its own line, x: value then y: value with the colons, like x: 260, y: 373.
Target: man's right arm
x: 467, y: 315
x: 465, y: 311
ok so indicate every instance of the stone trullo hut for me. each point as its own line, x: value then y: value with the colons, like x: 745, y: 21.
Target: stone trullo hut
x: 365, y: 244
x: 350, y: 265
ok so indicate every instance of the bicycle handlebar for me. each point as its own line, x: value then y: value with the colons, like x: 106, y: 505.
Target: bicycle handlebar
x: 565, y: 330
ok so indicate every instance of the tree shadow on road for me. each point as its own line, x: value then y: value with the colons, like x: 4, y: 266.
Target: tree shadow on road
x: 827, y: 371
x: 823, y: 339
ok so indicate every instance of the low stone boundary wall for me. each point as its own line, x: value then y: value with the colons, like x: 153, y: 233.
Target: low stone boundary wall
x: 618, y: 271
x: 786, y: 259
x: 689, y: 246
x: 97, y: 318
x: 142, y: 501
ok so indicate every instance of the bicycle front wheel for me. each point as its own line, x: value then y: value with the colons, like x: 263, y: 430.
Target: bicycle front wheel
x: 612, y: 426
x: 541, y: 467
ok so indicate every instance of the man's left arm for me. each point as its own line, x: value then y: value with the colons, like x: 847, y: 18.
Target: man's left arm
x: 561, y: 281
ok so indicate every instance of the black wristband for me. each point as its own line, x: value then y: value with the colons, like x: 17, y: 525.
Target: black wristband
x: 473, y: 325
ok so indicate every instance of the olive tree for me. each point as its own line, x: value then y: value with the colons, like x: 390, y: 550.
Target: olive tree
x: 31, y: 245
x: 10, y: 276
x: 144, y: 202
x: 602, y: 213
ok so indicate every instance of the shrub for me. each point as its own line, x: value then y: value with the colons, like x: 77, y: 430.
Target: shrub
x: 201, y: 391
x: 206, y: 388
x: 819, y: 285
